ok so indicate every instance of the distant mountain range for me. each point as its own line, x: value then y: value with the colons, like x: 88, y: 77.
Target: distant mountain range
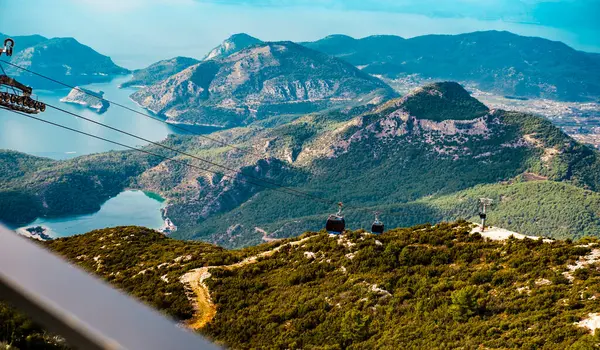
x: 63, y: 59
x: 258, y: 82
x: 499, y: 62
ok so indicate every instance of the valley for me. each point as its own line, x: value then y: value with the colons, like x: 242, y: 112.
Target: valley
x: 523, y: 162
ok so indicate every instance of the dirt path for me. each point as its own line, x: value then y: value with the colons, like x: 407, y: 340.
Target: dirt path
x: 197, y: 292
x: 500, y: 234
x: 265, y: 235
x: 199, y: 295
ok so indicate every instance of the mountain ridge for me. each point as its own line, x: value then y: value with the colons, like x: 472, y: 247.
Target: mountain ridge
x: 64, y: 59
x: 232, y: 45
x: 159, y: 71
x: 497, y: 61
x: 259, y: 81
x: 406, y: 166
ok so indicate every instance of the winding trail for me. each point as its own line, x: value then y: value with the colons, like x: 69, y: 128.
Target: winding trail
x: 197, y: 291
x: 265, y: 235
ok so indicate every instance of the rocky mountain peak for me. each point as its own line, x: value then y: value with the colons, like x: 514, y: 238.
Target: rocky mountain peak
x: 233, y: 44
x: 443, y: 101
x: 263, y: 80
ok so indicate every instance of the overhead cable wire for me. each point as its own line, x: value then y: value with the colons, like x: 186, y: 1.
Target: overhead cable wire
x: 279, y: 189
x: 308, y: 195
x: 223, y: 143
x: 282, y: 190
x: 173, y: 125
x: 176, y: 126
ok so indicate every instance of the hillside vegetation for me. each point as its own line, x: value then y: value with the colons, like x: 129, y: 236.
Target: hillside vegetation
x: 428, y: 286
x: 32, y: 187
x: 405, y: 164
x: 409, y: 158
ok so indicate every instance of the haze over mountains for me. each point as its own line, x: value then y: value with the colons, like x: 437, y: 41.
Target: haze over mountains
x: 497, y: 62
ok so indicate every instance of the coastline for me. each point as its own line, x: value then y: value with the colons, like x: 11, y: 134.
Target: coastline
x: 168, y: 119
x: 46, y: 235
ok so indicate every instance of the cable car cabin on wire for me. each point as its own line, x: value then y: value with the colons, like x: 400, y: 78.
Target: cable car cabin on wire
x: 336, y: 223
x: 377, y: 226
x: 14, y: 95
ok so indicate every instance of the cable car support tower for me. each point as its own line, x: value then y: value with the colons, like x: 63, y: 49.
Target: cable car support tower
x: 484, y: 203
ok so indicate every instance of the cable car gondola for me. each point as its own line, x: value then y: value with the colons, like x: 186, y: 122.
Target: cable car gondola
x: 336, y: 222
x: 378, y: 226
x: 17, y: 100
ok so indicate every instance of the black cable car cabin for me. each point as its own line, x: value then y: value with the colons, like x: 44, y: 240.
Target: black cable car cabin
x: 335, y: 222
x: 377, y: 226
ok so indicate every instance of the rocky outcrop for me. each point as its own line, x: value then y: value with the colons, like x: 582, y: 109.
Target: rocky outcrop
x: 87, y: 98
x: 440, y: 116
x: 233, y: 44
x: 258, y: 82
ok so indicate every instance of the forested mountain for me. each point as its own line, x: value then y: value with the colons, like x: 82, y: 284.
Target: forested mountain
x: 387, y: 158
x: 63, y: 59
x: 426, y: 157
x: 270, y: 79
x: 435, y: 287
x: 32, y: 187
x: 499, y: 62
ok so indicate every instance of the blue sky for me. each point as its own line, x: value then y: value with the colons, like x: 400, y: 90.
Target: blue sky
x: 138, y: 32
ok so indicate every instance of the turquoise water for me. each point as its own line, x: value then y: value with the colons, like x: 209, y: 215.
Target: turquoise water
x: 128, y: 208
x: 30, y: 136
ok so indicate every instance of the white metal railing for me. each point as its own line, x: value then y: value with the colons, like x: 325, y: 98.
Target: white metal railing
x: 86, y: 311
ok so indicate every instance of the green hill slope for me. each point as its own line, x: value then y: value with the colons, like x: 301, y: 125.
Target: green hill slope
x: 425, y: 287
x: 400, y: 156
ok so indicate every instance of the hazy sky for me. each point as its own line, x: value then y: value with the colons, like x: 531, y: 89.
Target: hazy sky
x: 138, y: 32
